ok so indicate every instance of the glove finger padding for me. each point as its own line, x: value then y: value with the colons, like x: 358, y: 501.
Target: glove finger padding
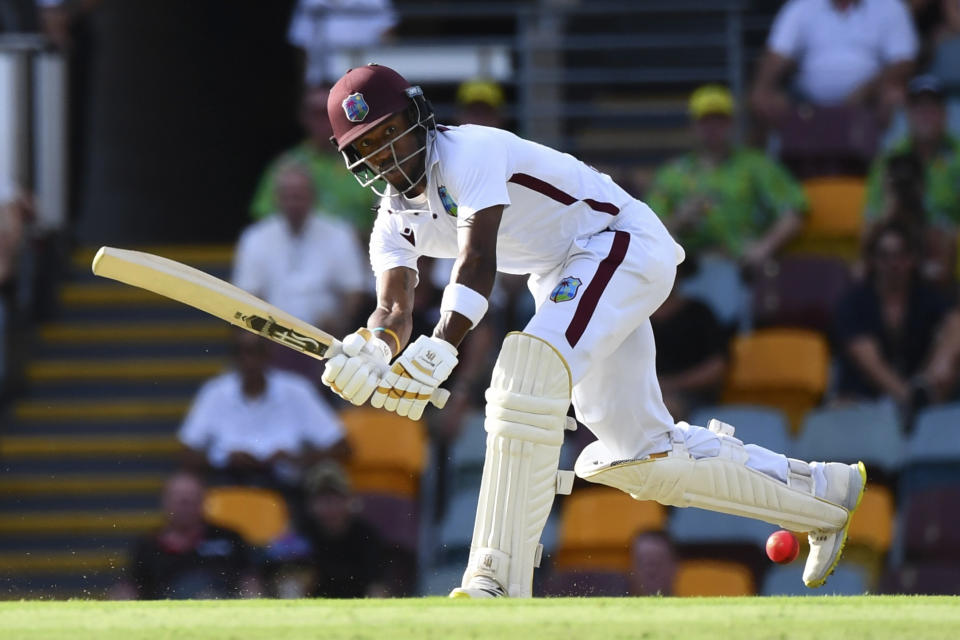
x: 354, y: 343
x: 356, y: 382
x: 350, y: 367
x: 364, y: 392
x: 332, y: 369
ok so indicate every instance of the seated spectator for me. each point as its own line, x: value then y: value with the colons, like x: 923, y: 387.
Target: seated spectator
x: 322, y: 28
x: 691, y: 352
x: 259, y: 425
x: 854, y: 52
x: 335, y: 189
x: 480, y: 102
x: 654, y: 564
x: 895, y: 335
x: 348, y: 554
x: 725, y: 203
x: 937, y: 151
x: 309, y: 265
x: 188, y: 557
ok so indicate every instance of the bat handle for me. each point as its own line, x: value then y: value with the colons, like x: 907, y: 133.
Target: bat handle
x: 439, y: 398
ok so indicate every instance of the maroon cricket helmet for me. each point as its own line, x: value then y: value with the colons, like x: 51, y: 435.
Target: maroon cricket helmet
x: 362, y: 99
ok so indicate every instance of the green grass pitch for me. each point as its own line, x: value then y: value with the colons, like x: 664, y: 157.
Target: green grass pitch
x: 847, y: 618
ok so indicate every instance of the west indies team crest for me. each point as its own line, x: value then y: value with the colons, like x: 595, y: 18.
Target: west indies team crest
x: 448, y: 203
x: 355, y: 107
x: 566, y: 290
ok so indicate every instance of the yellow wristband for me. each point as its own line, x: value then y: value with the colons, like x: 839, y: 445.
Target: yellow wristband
x: 392, y: 334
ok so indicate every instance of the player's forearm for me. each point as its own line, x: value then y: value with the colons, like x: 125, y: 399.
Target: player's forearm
x: 782, y: 232
x: 477, y: 271
x: 398, y: 322
x: 394, y: 312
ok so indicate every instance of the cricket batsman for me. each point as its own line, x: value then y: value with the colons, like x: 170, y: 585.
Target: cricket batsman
x: 599, y: 263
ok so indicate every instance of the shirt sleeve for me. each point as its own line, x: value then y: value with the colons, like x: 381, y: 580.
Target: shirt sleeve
x: 900, y: 40
x: 195, y: 431
x: 248, y: 272
x: 392, y: 244
x: 778, y: 190
x: 476, y: 177
x: 786, y: 34
x: 321, y: 427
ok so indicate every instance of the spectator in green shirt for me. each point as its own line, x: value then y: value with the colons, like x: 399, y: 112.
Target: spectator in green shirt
x: 939, y: 154
x: 724, y: 199
x: 335, y: 188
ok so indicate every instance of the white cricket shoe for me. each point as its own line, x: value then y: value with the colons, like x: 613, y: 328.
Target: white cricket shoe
x: 845, y: 485
x: 480, y: 587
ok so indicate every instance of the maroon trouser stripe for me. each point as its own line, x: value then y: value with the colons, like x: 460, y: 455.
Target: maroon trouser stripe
x: 591, y: 296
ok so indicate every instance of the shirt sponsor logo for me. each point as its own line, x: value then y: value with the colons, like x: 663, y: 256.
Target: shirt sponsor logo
x: 566, y: 290
x: 448, y: 204
x: 355, y: 107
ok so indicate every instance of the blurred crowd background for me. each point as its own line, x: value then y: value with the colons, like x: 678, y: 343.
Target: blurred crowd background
x: 805, y: 153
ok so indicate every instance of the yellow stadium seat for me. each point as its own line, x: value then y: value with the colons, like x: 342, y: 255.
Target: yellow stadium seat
x: 388, y: 452
x: 597, y: 526
x: 713, y: 578
x: 872, y: 524
x: 783, y: 368
x: 835, y: 218
x: 259, y: 515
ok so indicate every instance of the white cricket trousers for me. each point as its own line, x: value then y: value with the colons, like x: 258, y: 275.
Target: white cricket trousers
x: 603, y: 331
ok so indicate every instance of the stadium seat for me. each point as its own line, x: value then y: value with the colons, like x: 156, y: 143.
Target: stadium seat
x: 713, y: 578
x: 787, y: 580
x: 597, y: 526
x: 396, y: 518
x: 718, y: 284
x: 467, y: 453
x: 783, y: 368
x: 873, y: 523
x: 946, y: 64
x: 799, y: 291
x: 868, y: 431
x: 834, y: 220
x: 934, y: 437
x: 933, y: 578
x: 762, y: 426
x: 697, y: 526
x: 931, y: 526
x: 835, y: 140
x: 388, y: 452
x: 456, y: 528
x: 259, y: 515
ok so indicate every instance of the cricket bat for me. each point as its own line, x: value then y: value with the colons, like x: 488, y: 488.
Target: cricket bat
x: 221, y: 299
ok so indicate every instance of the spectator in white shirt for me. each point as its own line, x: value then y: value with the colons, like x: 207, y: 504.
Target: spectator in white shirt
x: 258, y: 424
x: 311, y: 266
x: 321, y: 28
x: 856, y: 52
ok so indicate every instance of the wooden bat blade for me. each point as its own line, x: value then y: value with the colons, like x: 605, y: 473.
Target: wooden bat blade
x: 228, y: 302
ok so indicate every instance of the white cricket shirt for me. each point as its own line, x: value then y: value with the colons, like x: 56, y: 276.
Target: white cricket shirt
x: 550, y: 199
x: 838, y: 51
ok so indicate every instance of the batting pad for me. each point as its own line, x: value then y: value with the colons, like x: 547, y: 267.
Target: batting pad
x: 721, y: 483
x: 526, y: 413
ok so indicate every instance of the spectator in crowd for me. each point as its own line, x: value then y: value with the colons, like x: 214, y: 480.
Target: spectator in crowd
x: 480, y: 101
x: 654, y: 564
x: 938, y: 152
x: 311, y: 266
x: 188, y: 557
x: 334, y: 188
x: 854, y: 52
x: 725, y: 202
x: 895, y: 335
x: 323, y: 28
x: 259, y: 425
x: 348, y: 554
x: 16, y: 211
x: 691, y: 352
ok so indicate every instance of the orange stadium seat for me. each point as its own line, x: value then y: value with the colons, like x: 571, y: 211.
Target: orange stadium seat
x: 388, y: 452
x: 783, y: 368
x: 713, y: 578
x: 259, y: 515
x: 872, y: 524
x: 597, y: 525
x: 835, y: 219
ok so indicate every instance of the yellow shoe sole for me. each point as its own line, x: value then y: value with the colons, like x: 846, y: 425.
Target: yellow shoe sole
x: 863, y: 475
x: 460, y: 595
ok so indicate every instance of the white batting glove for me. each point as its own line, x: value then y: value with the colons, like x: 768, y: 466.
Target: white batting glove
x: 414, y: 376
x: 353, y: 372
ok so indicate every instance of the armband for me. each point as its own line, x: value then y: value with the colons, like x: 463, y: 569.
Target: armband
x: 465, y: 301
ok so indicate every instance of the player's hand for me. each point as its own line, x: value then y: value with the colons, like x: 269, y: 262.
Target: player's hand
x: 414, y: 376
x: 354, y: 371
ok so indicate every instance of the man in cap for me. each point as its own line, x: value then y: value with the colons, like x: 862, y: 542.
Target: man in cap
x: 938, y: 151
x: 600, y: 262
